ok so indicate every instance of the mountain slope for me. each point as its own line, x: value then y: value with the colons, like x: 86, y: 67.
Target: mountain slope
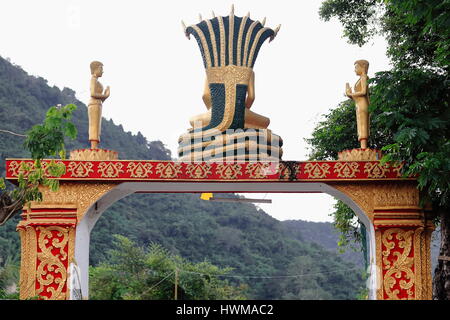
x: 227, y: 234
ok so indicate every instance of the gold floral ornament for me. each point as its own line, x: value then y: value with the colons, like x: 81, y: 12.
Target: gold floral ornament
x: 288, y: 170
x: 52, y: 258
x: 229, y: 171
x: 110, y: 169
x: 169, y: 170
x: 398, y: 270
x: 258, y: 170
x: 139, y: 169
x: 18, y: 167
x: 376, y: 170
x: 80, y: 169
x: 317, y: 170
x: 346, y: 169
x: 198, y: 170
x: 397, y: 168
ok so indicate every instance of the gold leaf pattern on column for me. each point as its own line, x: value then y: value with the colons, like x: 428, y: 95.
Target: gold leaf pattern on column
x: 317, y: 170
x: 139, y: 169
x: 229, y: 171
x: 346, y: 169
x: 110, y: 169
x: 52, y: 257
x: 398, y: 264
x: 27, y: 282
x: 80, y: 169
x: 168, y: 170
x: 198, y: 170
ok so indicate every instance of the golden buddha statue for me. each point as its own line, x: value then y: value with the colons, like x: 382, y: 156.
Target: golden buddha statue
x: 229, y: 129
x: 95, y: 104
x: 361, y: 98
x: 251, y: 119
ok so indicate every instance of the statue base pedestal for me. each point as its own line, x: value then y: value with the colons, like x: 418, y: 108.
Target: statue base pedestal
x: 93, y: 154
x: 360, y: 155
x: 240, y: 145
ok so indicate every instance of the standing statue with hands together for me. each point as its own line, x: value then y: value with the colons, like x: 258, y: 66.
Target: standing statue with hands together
x: 361, y: 98
x: 95, y: 104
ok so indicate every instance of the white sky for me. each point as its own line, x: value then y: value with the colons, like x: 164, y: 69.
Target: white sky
x: 156, y: 75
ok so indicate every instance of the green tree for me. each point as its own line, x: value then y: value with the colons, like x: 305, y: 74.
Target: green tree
x: 138, y: 274
x: 42, y: 140
x: 410, y: 102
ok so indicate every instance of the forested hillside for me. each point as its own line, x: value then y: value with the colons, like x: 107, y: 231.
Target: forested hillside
x: 275, y: 263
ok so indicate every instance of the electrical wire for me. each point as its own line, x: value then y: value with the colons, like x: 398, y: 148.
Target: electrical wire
x: 267, y: 277
x: 154, y: 286
x: 257, y: 277
x: 13, y: 133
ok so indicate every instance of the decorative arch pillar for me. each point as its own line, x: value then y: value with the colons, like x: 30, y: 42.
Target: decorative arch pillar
x: 402, y: 237
x: 48, y: 231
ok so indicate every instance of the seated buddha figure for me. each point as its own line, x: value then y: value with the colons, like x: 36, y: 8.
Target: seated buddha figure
x: 229, y: 47
x: 251, y: 119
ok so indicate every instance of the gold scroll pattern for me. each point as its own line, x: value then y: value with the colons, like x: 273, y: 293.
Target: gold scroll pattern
x: 346, y: 169
x: 229, y: 171
x: 258, y: 170
x: 398, y: 264
x: 285, y: 170
x: 168, y: 170
x: 80, y: 169
x: 15, y: 168
x: 139, y: 169
x: 53, y: 261
x: 397, y: 168
x: 376, y: 170
x: 198, y: 170
x: 317, y: 170
x: 110, y: 169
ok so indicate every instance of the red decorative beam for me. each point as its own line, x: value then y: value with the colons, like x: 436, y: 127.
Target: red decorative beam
x: 148, y: 170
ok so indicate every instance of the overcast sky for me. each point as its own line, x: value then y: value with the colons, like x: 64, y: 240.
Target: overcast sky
x: 156, y: 75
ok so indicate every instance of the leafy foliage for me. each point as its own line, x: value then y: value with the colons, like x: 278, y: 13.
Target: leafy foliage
x: 43, y: 140
x: 134, y: 273
x: 417, y: 31
x: 414, y: 106
x: 355, y: 16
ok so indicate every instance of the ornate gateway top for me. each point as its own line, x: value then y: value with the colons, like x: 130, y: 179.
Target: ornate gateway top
x: 230, y: 40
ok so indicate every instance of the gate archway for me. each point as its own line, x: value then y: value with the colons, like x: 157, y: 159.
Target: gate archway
x: 56, y: 232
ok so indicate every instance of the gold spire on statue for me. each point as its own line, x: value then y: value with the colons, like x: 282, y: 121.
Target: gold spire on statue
x: 361, y: 98
x: 95, y: 104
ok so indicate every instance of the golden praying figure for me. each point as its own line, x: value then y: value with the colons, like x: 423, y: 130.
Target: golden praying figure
x: 361, y: 98
x: 95, y: 104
